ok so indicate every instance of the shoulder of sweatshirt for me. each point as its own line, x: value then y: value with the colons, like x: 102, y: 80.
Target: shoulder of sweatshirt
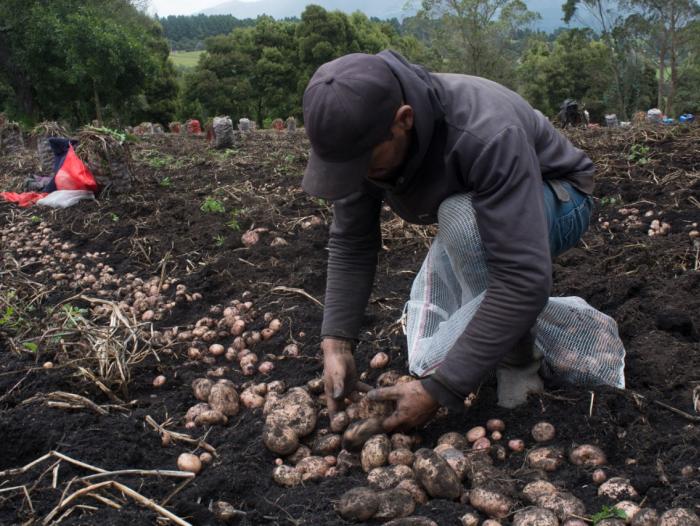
x: 482, y: 109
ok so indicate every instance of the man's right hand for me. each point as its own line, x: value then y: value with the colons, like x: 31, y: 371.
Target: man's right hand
x: 339, y: 372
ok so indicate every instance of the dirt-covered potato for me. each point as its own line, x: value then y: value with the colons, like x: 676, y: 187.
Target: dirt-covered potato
x: 516, y: 445
x: 645, y: 517
x: 347, y: 461
x: 280, y: 439
x: 455, y: 458
x: 575, y: 522
x: 491, y: 503
x: 312, y: 468
x: 401, y: 441
x: 495, y: 424
x: 224, y: 398
x: 611, y: 522
x: 543, y: 432
x: 375, y: 452
x: 251, y: 400
x: 301, y: 452
x: 456, y: 440
x: 389, y: 476
x: 629, y: 508
x: 534, y: 489
x: 358, y: 504
x: 224, y: 511
x: 401, y: 457
x: 545, y: 458
x: 339, y: 422
x: 587, y: 455
x: 598, y: 477
x: 211, y: 417
x: 562, y: 503
x: 388, y: 378
x: 359, y: 432
x: 201, y: 387
x: 436, y: 475
x: 617, y: 488
x: 315, y: 385
x: 379, y: 360
x: 475, y: 433
x: 415, y: 489
x: 394, y: 503
x: 470, y: 519
x: 535, y: 517
x: 196, y: 410
x: 327, y: 444
x: 678, y: 517
x: 297, y: 410
x: 286, y: 476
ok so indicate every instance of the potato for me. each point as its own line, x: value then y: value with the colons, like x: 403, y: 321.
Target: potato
x: 347, y: 460
x: 490, y: 522
x: 562, y: 503
x: 679, y: 517
x: 201, y: 387
x: 403, y: 457
x: 301, y: 452
x: 276, y: 386
x: 212, y: 417
x: 275, y: 325
x: 491, y: 503
x: 224, y: 398
x: 358, y: 504
x: 629, y: 508
x: 456, y: 440
x: 535, y: 517
x: 598, y: 477
x: 206, y: 457
x: 401, y: 441
x: 280, y: 439
x: 389, y: 477
x: 543, y: 432
x: 516, y: 445
x: 196, y: 410
x: 291, y: 350
x: 645, y: 517
x: 617, y: 488
x: 411, y: 521
x: 498, y: 452
x: 475, y: 433
x: 158, y: 381
x: 189, y: 462
x: 413, y: 487
x: 436, y: 475
x: 339, y: 422
x: 574, y: 522
x: 375, y: 452
x: 455, y: 458
x: 359, y: 432
x: 481, y: 443
x: 611, y: 522
x: 394, y: 503
x: 312, y: 468
x: 534, y: 489
x: 225, y: 512
x: 470, y: 519
x: 545, y: 458
x: 297, y: 410
x: 327, y: 445
x: 495, y: 424
x: 379, y: 360
x: 266, y: 367
x: 251, y: 400
x: 286, y: 476
x: 587, y: 455
x: 216, y: 349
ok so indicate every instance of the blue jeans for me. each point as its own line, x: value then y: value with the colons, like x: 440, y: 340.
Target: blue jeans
x: 567, y: 220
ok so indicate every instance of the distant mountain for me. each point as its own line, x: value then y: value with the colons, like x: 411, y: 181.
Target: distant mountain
x: 550, y: 10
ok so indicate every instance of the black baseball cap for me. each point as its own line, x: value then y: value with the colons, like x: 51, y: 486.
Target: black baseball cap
x: 349, y: 107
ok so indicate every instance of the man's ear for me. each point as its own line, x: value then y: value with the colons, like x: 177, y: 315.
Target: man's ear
x: 404, y: 117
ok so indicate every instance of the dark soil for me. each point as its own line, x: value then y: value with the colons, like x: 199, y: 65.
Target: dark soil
x: 649, y: 285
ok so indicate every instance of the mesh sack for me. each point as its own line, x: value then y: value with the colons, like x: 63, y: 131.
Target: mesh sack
x: 223, y: 133
x: 580, y: 344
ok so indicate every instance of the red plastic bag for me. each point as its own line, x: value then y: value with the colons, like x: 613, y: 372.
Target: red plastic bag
x: 23, y: 199
x: 74, y: 175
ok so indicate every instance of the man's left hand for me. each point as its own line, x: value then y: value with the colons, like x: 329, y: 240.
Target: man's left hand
x: 414, y: 406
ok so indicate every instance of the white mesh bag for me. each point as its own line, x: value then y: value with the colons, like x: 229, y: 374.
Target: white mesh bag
x: 580, y: 344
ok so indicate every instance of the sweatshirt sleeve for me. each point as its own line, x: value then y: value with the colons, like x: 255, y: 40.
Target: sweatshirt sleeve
x: 355, y: 239
x: 509, y: 204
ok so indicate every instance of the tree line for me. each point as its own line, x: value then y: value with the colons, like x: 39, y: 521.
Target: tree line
x: 77, y: 60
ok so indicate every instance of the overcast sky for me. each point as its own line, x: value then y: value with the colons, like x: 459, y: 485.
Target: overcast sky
x: 181, y: 7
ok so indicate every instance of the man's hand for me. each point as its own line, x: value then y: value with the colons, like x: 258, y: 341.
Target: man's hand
x: 414, y: 405
x: 339, y: 372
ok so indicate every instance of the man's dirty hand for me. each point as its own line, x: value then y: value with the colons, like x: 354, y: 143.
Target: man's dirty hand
x: 339, y: 372
x: 413, y: 405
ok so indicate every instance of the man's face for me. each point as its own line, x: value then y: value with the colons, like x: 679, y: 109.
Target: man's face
x: 389, y: 155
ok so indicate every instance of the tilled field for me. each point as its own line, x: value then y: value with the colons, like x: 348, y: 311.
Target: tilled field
x: 212, y: 246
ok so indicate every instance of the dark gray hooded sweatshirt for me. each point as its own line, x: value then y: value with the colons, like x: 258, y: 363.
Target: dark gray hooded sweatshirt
x: 471, y: 135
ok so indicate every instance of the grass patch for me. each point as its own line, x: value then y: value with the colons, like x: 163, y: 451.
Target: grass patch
x: 185, y: 59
